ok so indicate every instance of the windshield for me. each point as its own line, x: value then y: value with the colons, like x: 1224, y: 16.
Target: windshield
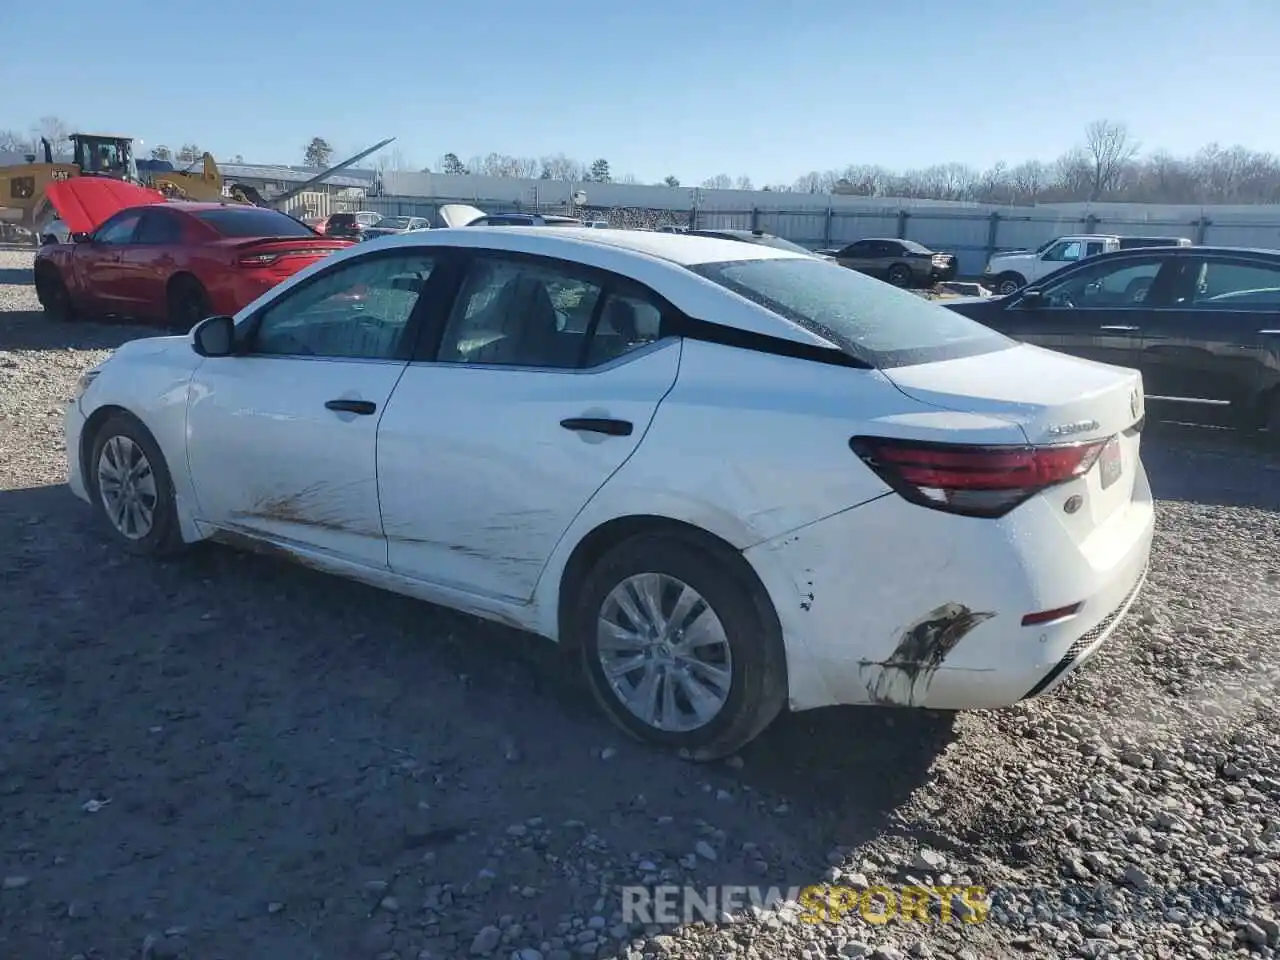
x: 914, y: 247
x: 868, y: 319
x: 253, y: 222
x: 1046, y: 245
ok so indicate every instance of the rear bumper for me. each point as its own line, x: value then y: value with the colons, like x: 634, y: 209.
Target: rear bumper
x: 895, y: 604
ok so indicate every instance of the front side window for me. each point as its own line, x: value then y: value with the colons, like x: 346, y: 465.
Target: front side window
x: 1107, y: 284
x: 516, y: 312
x: 869, y: 320
x: 1064, y: 251
x: 119, y: 229
x: 159, y: 228
x: 359, y: 310
x: 1227, y: 285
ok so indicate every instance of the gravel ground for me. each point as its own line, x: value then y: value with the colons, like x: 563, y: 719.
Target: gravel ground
x: 229, y: 757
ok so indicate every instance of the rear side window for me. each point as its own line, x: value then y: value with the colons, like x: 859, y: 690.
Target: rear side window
x: 1224, y: 285
x: 869, y: 320
x: 254, y: 222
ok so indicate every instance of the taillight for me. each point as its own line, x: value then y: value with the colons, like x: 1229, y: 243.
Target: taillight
x: 975, y: 481
x: 266, y: 259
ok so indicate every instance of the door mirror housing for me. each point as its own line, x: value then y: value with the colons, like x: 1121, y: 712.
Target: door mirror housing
x: 214, y: 337
x: 82, y: 238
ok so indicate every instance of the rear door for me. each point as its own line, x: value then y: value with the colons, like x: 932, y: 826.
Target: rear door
x: 545, y: 379
x: 148, y: 262
x: 1095, y: 311
x: 1218, y: 340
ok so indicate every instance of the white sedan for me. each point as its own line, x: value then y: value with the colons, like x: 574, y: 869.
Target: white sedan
x: 730, y: 477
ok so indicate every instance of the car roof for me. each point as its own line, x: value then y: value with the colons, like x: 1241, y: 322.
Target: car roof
x: 680, y: 248
x: 1192, y: 251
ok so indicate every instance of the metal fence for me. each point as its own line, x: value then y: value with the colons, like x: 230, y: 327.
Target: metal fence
x: 972, y: 234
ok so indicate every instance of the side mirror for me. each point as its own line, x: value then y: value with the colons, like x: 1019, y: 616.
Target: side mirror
x: 214, y: 337
x: 82, y: 237
x: 1032, y: 299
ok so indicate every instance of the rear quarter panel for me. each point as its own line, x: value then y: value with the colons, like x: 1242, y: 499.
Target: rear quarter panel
x: 749, y: 446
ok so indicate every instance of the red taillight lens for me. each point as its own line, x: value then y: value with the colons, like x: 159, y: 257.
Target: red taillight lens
x: 977, y: 481
x: 266, y: 259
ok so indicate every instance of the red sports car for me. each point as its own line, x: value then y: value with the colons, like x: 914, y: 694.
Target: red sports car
x: 136, y: 254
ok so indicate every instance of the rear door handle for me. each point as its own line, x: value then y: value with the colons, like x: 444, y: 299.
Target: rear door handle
x: 362, y: 407
x: 610, y: 428
x: 1118, y: 327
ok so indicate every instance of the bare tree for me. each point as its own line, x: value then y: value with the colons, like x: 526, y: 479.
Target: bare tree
x: 56, y: 130
x: 721, y: 181
x: 11, y: 141
x: 560, y: 167
x: 671, y: 180
x: 743, y: 183
x: 1110, y: 149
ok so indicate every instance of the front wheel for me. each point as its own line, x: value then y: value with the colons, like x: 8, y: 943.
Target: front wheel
x: 133, y: 488
x: 677, y: 648
x: 1008, y: 283
x: 54, y: 296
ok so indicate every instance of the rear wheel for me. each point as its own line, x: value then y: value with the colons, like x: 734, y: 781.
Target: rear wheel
x: 677, y: 649
x: 900, y: 275
x: 53, y: 295
x: 1008, y: 283
x: 188, y: 302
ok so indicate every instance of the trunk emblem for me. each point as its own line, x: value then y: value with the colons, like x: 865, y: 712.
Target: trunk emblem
x: 1068, y: 429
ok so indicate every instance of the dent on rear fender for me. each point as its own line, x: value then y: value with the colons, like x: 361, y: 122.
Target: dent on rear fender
x: 904, y: 678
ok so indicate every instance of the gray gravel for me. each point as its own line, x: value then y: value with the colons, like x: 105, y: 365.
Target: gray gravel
x: 229, y: 757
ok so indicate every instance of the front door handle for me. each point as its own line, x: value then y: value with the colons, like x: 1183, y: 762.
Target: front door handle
x: 1269, y: 333
x: 610, y: 428
x: 362, y: 407
x: 1119, y: 327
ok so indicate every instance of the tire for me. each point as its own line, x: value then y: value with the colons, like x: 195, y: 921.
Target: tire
x: 54, y: 296
x: 120, y: 442
x: 755, y: 667
x: 188, y: 303
x: 1008, y: 283
x: 899, y: 275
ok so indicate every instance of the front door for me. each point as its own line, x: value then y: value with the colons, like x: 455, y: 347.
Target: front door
x: 282, y: 439
x: 1095, y: 311
x: 546, y: 379
x: 99, y: 262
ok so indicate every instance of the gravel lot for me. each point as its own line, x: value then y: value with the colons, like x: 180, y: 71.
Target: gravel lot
x: 228, y: 757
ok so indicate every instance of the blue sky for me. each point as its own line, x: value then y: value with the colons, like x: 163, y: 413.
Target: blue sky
x: 693, y: 88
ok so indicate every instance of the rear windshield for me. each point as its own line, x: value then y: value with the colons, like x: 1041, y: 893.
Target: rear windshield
x: 868, y: 319
x: 254, y: 222
x: 394, y: 223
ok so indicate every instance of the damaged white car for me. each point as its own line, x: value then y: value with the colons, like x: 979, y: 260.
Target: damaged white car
x: 729, y: 477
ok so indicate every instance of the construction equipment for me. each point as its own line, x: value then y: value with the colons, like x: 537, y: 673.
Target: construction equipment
x: 22, y: 186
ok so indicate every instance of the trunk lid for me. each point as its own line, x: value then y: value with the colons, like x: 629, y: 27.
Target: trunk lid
x: 1053, y: 399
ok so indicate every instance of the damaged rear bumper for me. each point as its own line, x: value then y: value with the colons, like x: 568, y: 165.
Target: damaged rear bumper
x: 892, y: 604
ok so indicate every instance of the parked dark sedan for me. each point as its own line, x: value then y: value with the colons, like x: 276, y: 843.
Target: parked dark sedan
x: 1201, y: 323
x: 903, y: 263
